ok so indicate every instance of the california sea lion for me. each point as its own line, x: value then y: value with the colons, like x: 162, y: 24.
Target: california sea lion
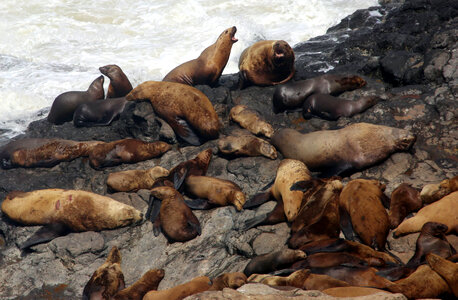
x: 125, y: 151
x: 37, y: 152
x: 293, y: 94
x: 352, y: 291
x: 98, y: 113
x: 183, y: 107
x: 404, y: 200
x: 269, y: 262
x: 331, y: 108
x: 356, y: 146
x: 120, y: 85
x: 148, y: 282
x: 251, y: 120
x: 446, y: 269
x: 228, y: 280
x: 208, y: 67
x: 197, y: 285
x: 247, y: 145
x: 435, y: 191
x: 134, y: 180
x: 444, y: 211
x: 65, y: 104
x: 266, y: 63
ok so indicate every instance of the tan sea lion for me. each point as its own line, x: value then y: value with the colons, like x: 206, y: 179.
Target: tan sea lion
x: 208, y: 67
x: 197, y: 285
x: 444, y: 211
x: 404, y: 200
x: 246, y: 145
x: 363, y: 276
x: 125, y: 151
x: 266, y: 63
x: 251, y: 120
x: 446, y: 269
x: 269, y: 262
x: 352, y: 291
x: 134, y: 180
x: 435, y: 191
x: 228, y: 280
x: 65, y: 104
x: 355, y: 146
x: 148, y: 282
x: 98, y: 113
x: 296, y: 279
x: 186, y: 109
x: 120, y: 85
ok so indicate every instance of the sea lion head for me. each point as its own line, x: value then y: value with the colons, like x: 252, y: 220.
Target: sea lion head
x: 403, y: 139
x: 109, y: 70
x: 351, y: 82
x: 228, y: 35
x: 163, y: 192
x: 282, y: 53
x: 435, y: 229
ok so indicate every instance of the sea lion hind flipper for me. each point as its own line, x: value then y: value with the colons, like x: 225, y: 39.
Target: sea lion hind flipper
x: 250, y: 223
x: 184, y: 131
x: 178, y: 178
x: 346, y: 225
x: 200, y: 204
x: 157, y: 227
x: 257, y: 200
x: 45, y: 234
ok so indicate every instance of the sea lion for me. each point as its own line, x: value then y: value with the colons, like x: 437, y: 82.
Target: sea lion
x: 444, y: 211
x: 218, y: 191
x: 208, y: 67
x: 269, y: 262
x: 355, y: 146
x: 246, y: 145
x: 120, y: 85
x: 125, y: 151
x: 330, y: 259
x: 331, y: 108
x: 186, y: 109
x: 446, y: 269
x: 266, y: 63
x: 98, y: 113
x: 364, y: 276
x: 352, y: 291
x: 196, y: 285
x: 404, y: 200
x: 251, y: 120
x: 65, y: 104
x: 148, y: 282
x: 296, y: 279
x: 38, y: 152
x: 107, y: 280
x: 228, y: 280
x: 293, y: 94
x: 134, y: 180
x: 175, y: 218
x: 435, y: 191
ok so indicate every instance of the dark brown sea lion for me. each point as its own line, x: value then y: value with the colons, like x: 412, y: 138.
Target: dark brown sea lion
x: 266, y: 63
x: 37, y: 152
x: 197, y: 285
x: 251, y: 120
x: 120, y: 85
x: 331, y: 108
x: 404, y: 200
x: 125, y: 151
x: 134, y: 180
x: 228, y: 280
x: 330, y: 259
x: 148, y: 282
x: 269, y: 262
x: 446, y: 269
x: 65, y: 104
x: 98, y: 113
x: 246, y: 145
x: 356, y: 146
x: 208, y: 67
x: 435, y: 191
x: 186, y: 109
x: 293, y: 94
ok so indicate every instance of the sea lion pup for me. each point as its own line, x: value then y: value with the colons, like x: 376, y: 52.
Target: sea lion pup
x: 352, y: 291
x: 444, y: 211
x: 269, y: 262
x: 134, y: 180
x: 228, y: 280
x: 98, y: 113
x: 65, y: 104
x: 404, y: 200
x: 175, y: 218
x: 38, y: 152
x: 195, y: 286
x: 446, y: 269
x: 293, y: 94
x: 246, y: 145
x: 331, y: 108
x: 266, y: 63
x: 125, y: 151
x: 186, y: 109
x: 353, y: 147
x: 435, y: 191
x: 217, y: 191
x: 107, y: 280
x: 148, y: 282
x: 362, y: 212
x: 251, y: 120
x: 208, y: 67
x: 120, y: 85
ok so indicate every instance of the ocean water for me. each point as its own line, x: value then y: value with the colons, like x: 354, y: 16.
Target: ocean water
x: 53, y: 46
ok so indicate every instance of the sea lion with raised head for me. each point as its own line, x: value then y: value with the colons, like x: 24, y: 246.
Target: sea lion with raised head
x: 208, y: 67
x: 404, y: 200
x: 196, y: 285
x: 266, y: 263
x: 65, y: 104
x: 251, y: 120
x: 119, y: 85
x: 148, y: 282
x: 446, y: 269
x: 435, y: 191
x: 246, y: 145
x: 134, y: 180
x: 228, y: 280
x: 98, y: 113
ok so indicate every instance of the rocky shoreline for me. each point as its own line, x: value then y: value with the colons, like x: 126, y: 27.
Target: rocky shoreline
x: 407, y: 53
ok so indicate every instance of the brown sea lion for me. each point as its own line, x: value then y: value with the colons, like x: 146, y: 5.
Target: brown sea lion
x: 228, y: 280
x: 197, y: 285
x: 183, y: 107
x: 38, y: 152
x: 355, y: 146
x: 208, y: 67
x: 65, y: 104
x: 269, y: 262
x: 125, y: 151
x: 266, y: 63
x: 120, y: 85
x: 404, y: 200
x: 322, y: 282
x: 331, y: 108
x: 134, y: 180
x: 251, y: 120
x: 331, y: 259
x: 293, y: 94
x: 296, y: 279
x: 148, y: 282
x: 444, y: 211
x: 435, y: 191
x: 352, y: 291
x: 364, y: 276
x: 98, y: 113
x: 446, y: 269
x: 246, y: 145
x: 107, y: 280
x: 175, y: 218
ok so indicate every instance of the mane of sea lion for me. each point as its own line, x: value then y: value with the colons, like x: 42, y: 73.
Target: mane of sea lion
x: 404, y: 200
x: 119, y: 85
x: 148, y: 282
x: 196, y: 285
x: 251, y: 120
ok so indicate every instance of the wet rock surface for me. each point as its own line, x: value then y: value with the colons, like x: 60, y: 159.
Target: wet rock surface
x: 407, y: 53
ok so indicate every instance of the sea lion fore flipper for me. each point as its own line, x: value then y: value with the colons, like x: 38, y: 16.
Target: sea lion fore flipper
x: 250, y: 223
x: 45, y: 234
x: 184, y: 131
x: 195, y: 226
x: 179, y: 177
x: 155, y: 209
x: 157, y: 226
x: 198, y: 203
x: 346, y: 225
x: 257, y: 200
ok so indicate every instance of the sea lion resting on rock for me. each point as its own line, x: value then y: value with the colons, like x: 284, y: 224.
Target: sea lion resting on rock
x: 352, y: 291
x: 356, y: 146
x: 404, y: 200
x: 134, y: 180
x: 197, y: 285
x: 228, y: 280
x: 246, y: 145
x: 120, y: 85
x: 446, y: 269
x: 251, y: 120
x: 269, y: 262
x: 435, y: 191
x: 208, y: 67
x: 98, y: 113
x: 148, y: 282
